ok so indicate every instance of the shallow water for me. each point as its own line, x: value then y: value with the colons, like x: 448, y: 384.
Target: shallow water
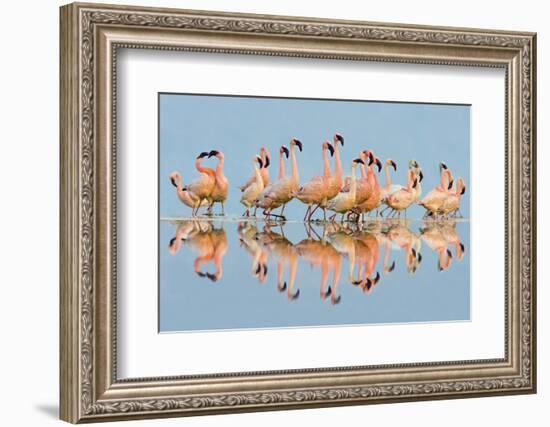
x: 231, y: 273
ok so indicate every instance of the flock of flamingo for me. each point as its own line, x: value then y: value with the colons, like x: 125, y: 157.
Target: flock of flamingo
x: 351, y: 196
x: 360, y: 245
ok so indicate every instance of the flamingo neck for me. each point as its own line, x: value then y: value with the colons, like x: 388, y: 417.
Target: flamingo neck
x: 337, y: 162
x: 373, y: 176
x: 203, y: 169
x: 445, y: 179
x: 259, y: 180
x: 281, y: 165
x: 219, y: 167
x: 294, y: 165
x: 459, y: 188
x: 388, y: 177
x: 326, y: 164
x: 363, y: 173
x: 410, y: 181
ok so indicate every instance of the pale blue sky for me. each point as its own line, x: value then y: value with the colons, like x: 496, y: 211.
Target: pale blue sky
x: 239, y: 126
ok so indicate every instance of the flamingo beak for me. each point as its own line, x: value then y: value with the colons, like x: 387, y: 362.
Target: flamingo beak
x: 371, y: 158
x: 299, y: 144
x: 450, y: 185
x: 394, y: 165
x: 358, y: 161
x: 442, y: 165
x: 172, y: 241
x: 339, y: 138
x: 267, y: 161
x: 259, y: 159
x: 391, y: 267
x: 285, y: 150
x: 201, y: 155
x: 213, y: 153
x: 421, y: 176
x: 463, y: 191
x: 415, y: 183
x: 331, y: 149
x: 173, y: 181
x: 378, y: 164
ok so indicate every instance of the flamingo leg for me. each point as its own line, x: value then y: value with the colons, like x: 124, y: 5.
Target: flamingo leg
x: 312, y: 212
x: 307, y: 212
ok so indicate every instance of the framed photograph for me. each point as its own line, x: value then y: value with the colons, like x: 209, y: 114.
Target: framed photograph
x: 267, y: 212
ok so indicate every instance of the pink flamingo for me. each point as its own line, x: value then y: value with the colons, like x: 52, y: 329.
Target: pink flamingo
x: 335, y: 181
x: 201, y: 188
x: 264, y: 171
x: 253, y: 190
x: 184, y: 196
x: 345, y: 202
x: 363, y: 189
x: 435, y: 198
x: 221, y: 185
x: 281, y: 191
x: 403, y: 198
x: 452, y: 203
x: 375, y: 199
x: 314, y: 191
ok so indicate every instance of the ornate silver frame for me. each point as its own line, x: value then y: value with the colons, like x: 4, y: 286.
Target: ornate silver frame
x: 90, y: 36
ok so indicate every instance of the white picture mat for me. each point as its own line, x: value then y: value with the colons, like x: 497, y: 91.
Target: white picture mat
x: 143, y: 352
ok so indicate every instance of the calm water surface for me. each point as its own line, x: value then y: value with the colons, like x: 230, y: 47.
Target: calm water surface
x: 238, y: 274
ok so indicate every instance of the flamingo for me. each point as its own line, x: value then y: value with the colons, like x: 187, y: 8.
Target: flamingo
x: 201, y: 188
x: 221, y: 186
x: 363, y: 188
x: 313, y: 192
x: 451, y: 203
x: 388, y: 188
x: 403, y: 198
x: 283, y: 151
x: 253, y: 190
x: 435, y: 198
x: 184, y: 196
x: 264, y: 171
x: 280, y: 192
x: 374, y: 200
x: 335, y: 182
x: 344, y: 202
x: 413, y: 164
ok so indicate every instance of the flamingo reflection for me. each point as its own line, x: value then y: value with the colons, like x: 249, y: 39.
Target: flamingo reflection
x: 438, y: 235
x: 248, y: 236
x: 285, y: 254
x: 318, y: 252
x: 202, y: 238
x: 400, y: 235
